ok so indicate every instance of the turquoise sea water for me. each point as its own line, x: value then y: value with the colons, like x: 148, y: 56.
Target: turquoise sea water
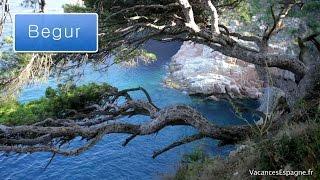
x: 108, y: 159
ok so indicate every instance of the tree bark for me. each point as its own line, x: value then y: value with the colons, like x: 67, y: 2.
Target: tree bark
x: 188, y: 13
x: 40, y: 136
x: 214, y: 16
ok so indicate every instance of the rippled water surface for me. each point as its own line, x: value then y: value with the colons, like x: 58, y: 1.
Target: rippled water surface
x: 108, y: 159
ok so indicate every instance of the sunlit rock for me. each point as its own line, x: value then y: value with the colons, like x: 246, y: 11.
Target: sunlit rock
x: 197, y: 69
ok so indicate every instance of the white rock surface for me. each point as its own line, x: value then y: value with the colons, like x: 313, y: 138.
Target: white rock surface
x: 197, y: 69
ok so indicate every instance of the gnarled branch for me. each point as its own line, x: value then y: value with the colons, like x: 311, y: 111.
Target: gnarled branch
x: 40, y: 137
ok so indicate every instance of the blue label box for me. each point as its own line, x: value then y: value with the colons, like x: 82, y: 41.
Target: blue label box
x: 68, y: 32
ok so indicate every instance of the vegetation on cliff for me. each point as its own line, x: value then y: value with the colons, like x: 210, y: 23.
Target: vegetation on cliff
x: 293, y: 147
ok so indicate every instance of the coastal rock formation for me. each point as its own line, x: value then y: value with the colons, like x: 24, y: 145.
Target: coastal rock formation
x: 196, y: 69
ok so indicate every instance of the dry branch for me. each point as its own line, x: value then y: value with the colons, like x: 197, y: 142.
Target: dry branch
x: 40, y: 137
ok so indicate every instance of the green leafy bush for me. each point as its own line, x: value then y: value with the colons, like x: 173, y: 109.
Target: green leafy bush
x: 53, y: 105
x: 193, y: 164
x: 196, y: 156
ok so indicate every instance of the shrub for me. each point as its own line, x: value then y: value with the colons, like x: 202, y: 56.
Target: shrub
x: 54, y: 104
x: 298, y: 150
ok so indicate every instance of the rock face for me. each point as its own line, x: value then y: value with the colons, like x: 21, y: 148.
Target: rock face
x: 196, y: 69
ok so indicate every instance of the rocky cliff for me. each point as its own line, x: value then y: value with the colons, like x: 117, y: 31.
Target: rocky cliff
x: 197, y: 69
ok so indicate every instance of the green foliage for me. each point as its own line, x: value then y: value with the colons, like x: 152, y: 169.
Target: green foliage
x: 149, y: 55
x: 294, y: 147
x: 8, y: 40
x: 293, y: 31
x: 300, y: 152
x: 15, y: 58
x: 247, y: 9
x: 244, y: 12
x: 13, y: 113
x: 310, y: 110
x: 314, y: 24
x: 313, y: 5
x: 133, y: 56
x: 72, y: 97
x: 196, y: 156
x: 192, y: 165
x: 301, y: 104
x: 310, y: 12
x: 90, y: 3
x: 12, y: 63
x: 53, y: 105
x: 70, y: 8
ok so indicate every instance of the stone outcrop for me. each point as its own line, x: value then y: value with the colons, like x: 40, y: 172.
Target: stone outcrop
x: 196, y: 69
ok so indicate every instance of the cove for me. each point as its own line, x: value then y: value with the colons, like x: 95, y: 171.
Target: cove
x: 108, y: 159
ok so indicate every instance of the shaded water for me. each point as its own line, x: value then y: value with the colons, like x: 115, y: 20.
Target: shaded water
x: 108, y: 159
